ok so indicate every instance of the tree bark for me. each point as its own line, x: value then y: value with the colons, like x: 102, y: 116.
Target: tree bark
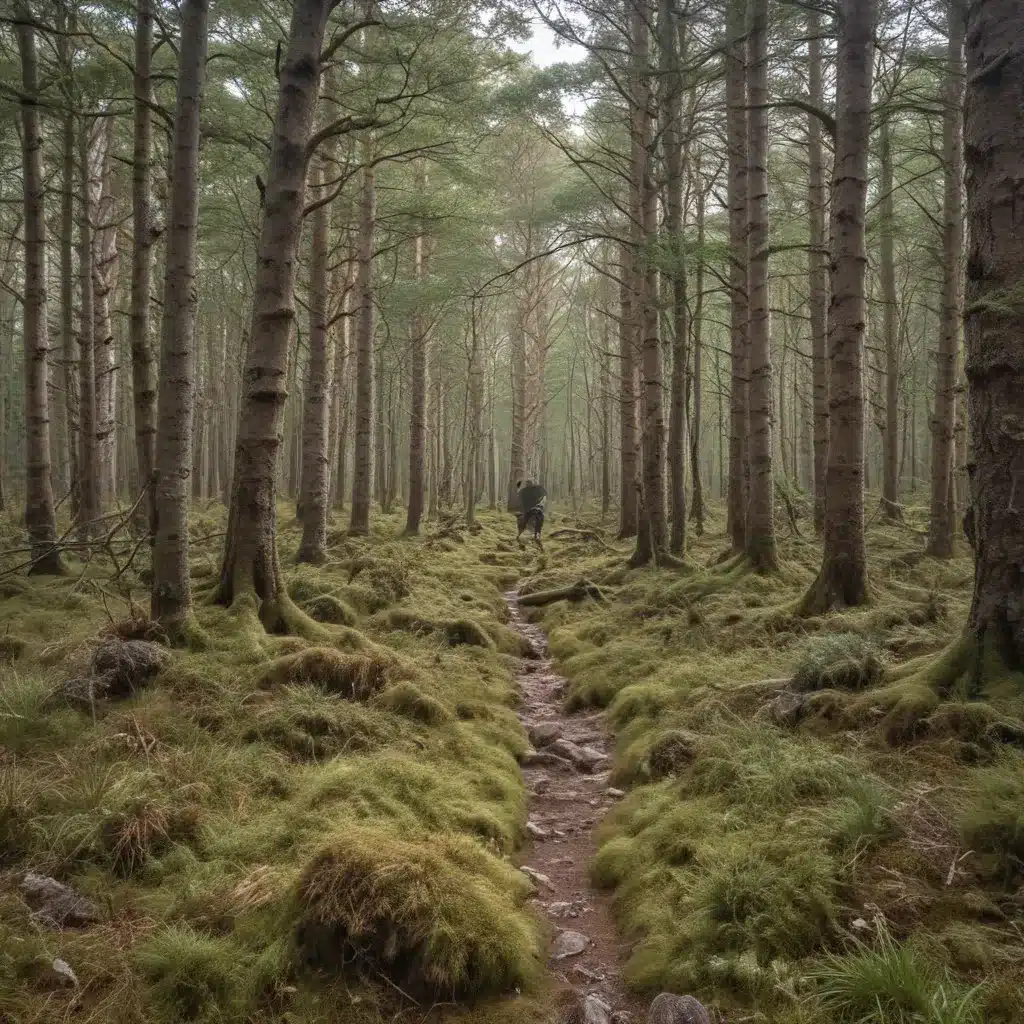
x: 517, y: 450
x: 891, y: 508
x: 418, y: 370
x: 842, y: 581
x: 697, y: 499
x: 316, y: 463
x: 652, y: 539
x: 143, y: 234
x: 817, y: 269
x: 69, y: 348
x: 761, y: 548
x: 672, y: 133
x: 171, y: 597
x: 736, y: 131
x: 362, y: 477
x: 628, y: 506
x: 251, y: 571
x: 994, y: 146
x: 943, y: 425
x: 40, y: 518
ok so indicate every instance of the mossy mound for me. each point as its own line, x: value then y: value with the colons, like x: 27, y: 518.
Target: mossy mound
x: 330, y: 608
x: 355, y: 676
x: 462, y: 630
x: 406, y: 698
x: 839, y: 661
x: 438, y: 916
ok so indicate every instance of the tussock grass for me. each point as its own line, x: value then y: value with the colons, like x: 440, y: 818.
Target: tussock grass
x: 189, y: 809
x: 438, y: 915
x: 753, y: 836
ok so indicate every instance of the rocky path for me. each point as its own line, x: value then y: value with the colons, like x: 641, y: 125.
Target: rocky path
x: 567, y: 778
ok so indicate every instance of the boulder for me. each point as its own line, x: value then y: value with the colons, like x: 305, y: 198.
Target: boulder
x: 56, y: 905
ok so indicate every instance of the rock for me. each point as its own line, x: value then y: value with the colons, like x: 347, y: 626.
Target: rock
x: 785, y: 709
x: 622, y: 1017
x: 536, y: 877
x: 584, y: 758
x: 545, y: 758
x: 615, y: 794
x: 127, y: 665
x: 593, y: 755
x: 587, y: 973
x: 63, y: 974
x: 670, y: 1009
x: 537, y: 831
x: 541, y: 784
x: 55, y: 904
x: 568, y: 943
x: 544, y: 733
x: 560, y: 908
x: 596, y: 1011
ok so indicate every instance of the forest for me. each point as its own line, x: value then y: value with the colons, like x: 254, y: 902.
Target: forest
x: 508, y: 512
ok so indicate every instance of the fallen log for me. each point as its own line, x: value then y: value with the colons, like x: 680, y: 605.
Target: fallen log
x: 578, y: 591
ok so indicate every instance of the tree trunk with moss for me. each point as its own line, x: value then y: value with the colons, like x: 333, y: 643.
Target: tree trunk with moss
x: 994, y: 146
x: 842, y: 581
x: 760, y: 547
x: 251, y: 570
x: 40, y: 519
x: 736, y: 136
x: 943, y: 425
x: 171, y: 597
x: 627, y: 397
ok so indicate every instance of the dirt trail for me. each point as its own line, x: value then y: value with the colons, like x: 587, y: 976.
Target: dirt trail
x: 567, y: 779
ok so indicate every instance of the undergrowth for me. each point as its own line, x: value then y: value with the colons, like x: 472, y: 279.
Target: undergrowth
x: 814, y: 830
x: 272, y: 829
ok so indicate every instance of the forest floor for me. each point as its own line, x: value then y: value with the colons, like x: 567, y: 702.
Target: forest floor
x: 799, y: 828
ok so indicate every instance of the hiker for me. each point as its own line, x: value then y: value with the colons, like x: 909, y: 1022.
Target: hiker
x: 531, y: 510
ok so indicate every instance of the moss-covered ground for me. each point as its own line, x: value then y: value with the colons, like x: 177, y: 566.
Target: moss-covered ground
x: 822, y: 823
x: 274, y: 829
x: 819, y: 826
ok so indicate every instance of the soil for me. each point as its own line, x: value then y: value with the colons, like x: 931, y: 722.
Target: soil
x: 567, y: 802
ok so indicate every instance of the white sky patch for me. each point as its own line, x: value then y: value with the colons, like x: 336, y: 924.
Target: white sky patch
x: 546, y: 48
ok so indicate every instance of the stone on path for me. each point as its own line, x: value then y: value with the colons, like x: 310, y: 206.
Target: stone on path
x: 536, y: 830
x: 615, y: 794
x: 568, y: 943
x: 546, y: 758
x: 584, y: 758
x: 535, y: 876
x: 544, y: 733
x: 670, y: 1009
x: 596, y: 1011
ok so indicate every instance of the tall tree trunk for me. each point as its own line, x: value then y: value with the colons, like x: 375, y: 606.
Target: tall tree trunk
x: 251, y: 570
x: 362, y: 478
x: 652, y: 535
x: 104, y: 275
x: 418, y: 370
x: 817, y: 268
x: 842, y: 581
x: 994, y: 145
x: 697, y: 500
x: 517, y: 451
x: 628, y: 505
x: 672, y: 110
x: 316, y: 463
x: 40, y: 519
x: 761, y: 547
x: 69, y: 347
x: 475, y: 387
x: 143, y: 376
x: 606, y: 406
x: 943, y: 425
x: 171, y: 598
x: 736, y: 131
x: 89, y: 475
x: 891, y: 508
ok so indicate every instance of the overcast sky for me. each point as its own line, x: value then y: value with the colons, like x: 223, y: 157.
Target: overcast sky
x: 543, y: 49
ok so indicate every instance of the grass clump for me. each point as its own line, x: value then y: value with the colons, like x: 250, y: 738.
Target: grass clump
x: 839, y: 661
x: 331, y: 609
x: 11, y: 648
x: 355, y: 676
x: 992, y: 820
x: 436, y: 915
x: 186, y: 972
x: 406, y: 698
x: 892, y: 983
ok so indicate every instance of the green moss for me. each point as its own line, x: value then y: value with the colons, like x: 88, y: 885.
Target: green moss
x: 406, y: 698
x: 437, y: 915
x: 992, y: 819
x: 332, y: 609
x: 842, y: 661
x: 355, y: 676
